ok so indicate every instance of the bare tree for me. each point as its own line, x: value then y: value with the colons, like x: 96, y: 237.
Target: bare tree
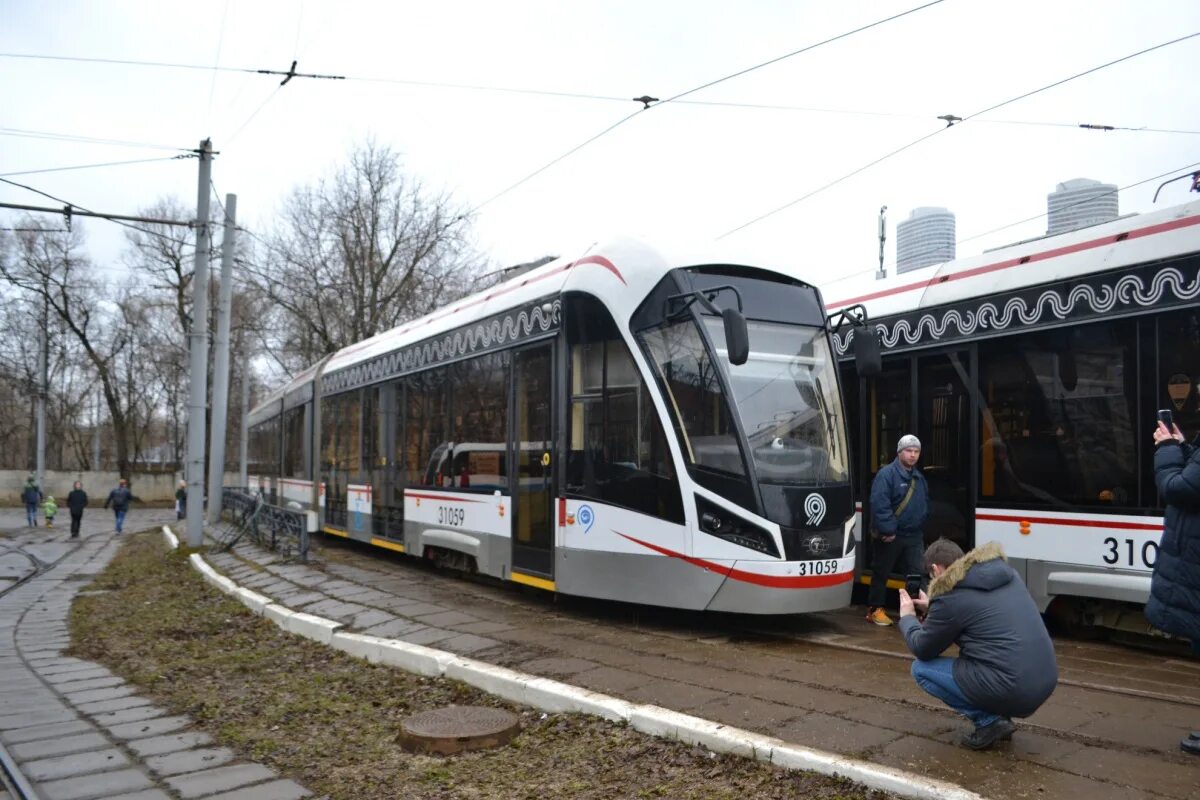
x: 356, y: 254
x: 48, y: 265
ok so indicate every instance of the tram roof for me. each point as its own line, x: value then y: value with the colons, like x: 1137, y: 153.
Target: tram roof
x: 618, y: 269
x: 1126, y: 241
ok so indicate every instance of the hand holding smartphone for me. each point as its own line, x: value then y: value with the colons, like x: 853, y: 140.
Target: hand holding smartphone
x: 912, y: 585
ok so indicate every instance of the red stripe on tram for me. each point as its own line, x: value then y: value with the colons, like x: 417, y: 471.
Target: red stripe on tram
x: 770, y: 581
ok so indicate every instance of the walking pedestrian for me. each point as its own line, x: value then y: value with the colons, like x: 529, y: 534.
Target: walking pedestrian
x: 119, y: 498
x: 77, y: 501
x: 50, y: 508
x: 31, y: 495
x: 899, y: 510
x: 181, y: 500
x: 1006, y: 665
x: 1174, y: 604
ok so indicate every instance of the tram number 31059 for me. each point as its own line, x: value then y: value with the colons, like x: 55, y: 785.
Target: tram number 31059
x: 1127, y: 554
x: 450, y: 516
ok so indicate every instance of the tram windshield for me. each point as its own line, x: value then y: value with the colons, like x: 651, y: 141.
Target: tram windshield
x: 786, y: 395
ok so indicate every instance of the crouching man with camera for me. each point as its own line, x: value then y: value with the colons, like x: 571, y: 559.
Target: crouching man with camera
x: 1006, y: 665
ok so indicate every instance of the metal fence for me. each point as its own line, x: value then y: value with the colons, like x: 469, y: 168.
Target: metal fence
x: 281, y: 529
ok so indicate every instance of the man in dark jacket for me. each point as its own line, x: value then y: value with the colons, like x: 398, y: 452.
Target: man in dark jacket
x: 1006, y: 665
x: 1174, y: 604
x: 899, y: 511
x: 119, y: 499
x: 31, y: 495
x: 76, y: 502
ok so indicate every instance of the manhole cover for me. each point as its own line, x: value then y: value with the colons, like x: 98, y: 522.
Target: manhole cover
x: 458, y: 728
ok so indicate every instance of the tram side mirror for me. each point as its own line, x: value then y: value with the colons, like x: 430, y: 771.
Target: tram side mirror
x: 737, y: 337
x: 867, y: 356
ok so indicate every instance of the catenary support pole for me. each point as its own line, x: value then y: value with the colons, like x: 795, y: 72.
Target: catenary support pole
x: 42, y: 392
x: 96, y: 436
x: 198, y: 372
x: 243, y: 470
x: 216, y: 460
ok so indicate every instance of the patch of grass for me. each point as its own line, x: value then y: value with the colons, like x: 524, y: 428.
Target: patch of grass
x: 330, y: 721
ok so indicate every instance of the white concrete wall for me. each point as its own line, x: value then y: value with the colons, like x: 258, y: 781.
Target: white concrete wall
x: 153, y: 489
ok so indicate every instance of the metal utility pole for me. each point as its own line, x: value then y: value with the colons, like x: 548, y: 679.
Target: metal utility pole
x: 198, y: 376
x: 243, y: 472
x: 216, y: 461
x: 43, y: 391
x: 881, y: 274
x: 96, y: 437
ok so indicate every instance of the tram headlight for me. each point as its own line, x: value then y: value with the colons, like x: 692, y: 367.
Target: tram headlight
x: 716, y: 521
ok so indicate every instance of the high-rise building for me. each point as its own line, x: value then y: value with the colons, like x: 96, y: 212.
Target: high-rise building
x: 1078, y: 203
x: 926, y: 237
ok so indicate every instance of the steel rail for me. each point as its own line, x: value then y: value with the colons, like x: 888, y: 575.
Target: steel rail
x: 18, y: 785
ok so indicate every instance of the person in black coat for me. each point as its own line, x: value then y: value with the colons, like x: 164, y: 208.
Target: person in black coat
x: 1174, y: 604
x: 76, y: 502
x: 1006, y: 665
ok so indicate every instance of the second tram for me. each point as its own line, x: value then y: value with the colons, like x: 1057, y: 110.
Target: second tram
x: 620, y: 425
x: 1032, y: 374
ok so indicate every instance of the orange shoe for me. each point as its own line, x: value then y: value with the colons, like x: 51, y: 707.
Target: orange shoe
x: 879, y: 617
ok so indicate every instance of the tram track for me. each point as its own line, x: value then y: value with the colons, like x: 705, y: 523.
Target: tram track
x: 13, y: 780
x: 39, y: 567
x: 1088, y: 685
x: 671, y: 622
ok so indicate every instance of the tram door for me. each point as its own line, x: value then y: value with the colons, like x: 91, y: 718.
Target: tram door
x: 889, y: 417
x: 531, y: 443
x: 944, y: 426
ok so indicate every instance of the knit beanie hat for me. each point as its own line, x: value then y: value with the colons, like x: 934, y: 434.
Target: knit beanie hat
x: 907, y: 441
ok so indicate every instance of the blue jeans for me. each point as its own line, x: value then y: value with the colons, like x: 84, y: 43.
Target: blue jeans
x: 31, y: 514
x: 120, y: 512
x: 936, y: 677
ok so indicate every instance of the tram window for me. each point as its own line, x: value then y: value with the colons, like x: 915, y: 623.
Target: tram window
x: 374, y: 452
x: 1057, y: 423
x: 329, y: 417
x: 349, y: 440
x: 891, y: 413
x: 694, y: 389
x: 293, y: 443
x: 618, y: 451
x: 478, y: 460
x: 264, y: 447
x: 850, y: 392
x: 1179, y: 369
x: 426, y: 427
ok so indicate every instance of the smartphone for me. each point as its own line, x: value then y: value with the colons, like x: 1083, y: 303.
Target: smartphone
x: 912, y: 585
x: 1164, y: 416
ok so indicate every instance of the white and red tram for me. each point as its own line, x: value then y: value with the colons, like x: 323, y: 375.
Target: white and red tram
x: 618, y: 425
x: 1032, y: 375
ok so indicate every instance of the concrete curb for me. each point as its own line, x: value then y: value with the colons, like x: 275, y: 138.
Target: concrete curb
x: 172, y: 542
x: 554, y: 697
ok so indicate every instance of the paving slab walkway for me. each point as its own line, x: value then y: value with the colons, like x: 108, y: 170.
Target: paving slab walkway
x: 76, y: 731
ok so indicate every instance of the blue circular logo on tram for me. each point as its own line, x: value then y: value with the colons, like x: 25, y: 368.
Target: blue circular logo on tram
x: 586, y: 517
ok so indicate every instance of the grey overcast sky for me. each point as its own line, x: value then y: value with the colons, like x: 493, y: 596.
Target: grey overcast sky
x: 681, y: 173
